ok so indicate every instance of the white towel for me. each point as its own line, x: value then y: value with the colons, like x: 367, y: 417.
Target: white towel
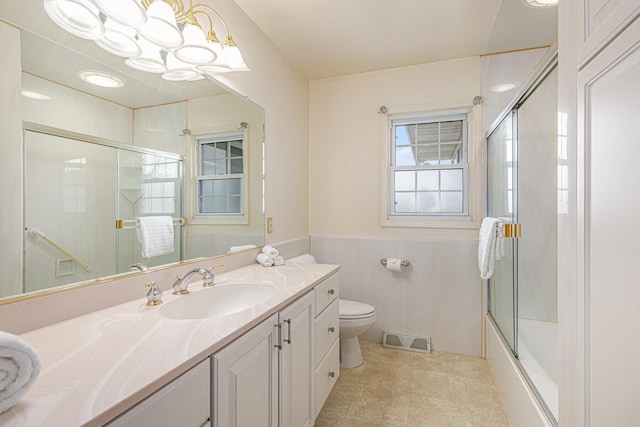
x: 20, y: 366
x: 263, y: 260
x: 487, y: 247
x: 278, y: 260
x: 155, y: 234
x: 270, y: 251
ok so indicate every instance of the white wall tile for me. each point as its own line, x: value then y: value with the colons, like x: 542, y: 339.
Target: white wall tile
x: 438, y: 295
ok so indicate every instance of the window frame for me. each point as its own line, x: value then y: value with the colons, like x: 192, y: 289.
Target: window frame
x: 208, y: 138
x: 436, y: 219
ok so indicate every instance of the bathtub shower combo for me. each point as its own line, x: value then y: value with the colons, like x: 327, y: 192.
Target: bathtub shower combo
x: 526, y: 182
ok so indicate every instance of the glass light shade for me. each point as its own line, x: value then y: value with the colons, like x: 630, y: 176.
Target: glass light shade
x: 161, y: 28
x: 178, y: 70
x: 149, y: 60
x: 214, y: 69
x: 79, y: 17
x: 195, y: 49
x: 119, y: 40
x: 100, y: 78
x: 125, y: 12
x: 233, y: 58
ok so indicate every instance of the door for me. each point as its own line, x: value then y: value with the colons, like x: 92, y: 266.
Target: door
x: 502, y: 204
x: 245, y: 379
x: 296, y: 363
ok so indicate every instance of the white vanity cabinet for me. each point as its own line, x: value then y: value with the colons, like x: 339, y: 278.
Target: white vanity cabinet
x: 245, y: 379
x: 327, y: 330
x: 183, y: 402
x: 269, y: 376
x: 265, y: 378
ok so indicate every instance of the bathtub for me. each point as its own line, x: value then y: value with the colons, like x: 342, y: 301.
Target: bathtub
x: 538, y: 354
x: 521, y: 399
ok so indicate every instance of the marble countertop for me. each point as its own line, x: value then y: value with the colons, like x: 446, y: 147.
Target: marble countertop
x: 98, y: 365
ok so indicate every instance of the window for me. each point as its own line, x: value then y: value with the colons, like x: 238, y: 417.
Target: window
x: 428, y: 173
x: 220, y: 175
x: 160, y: 181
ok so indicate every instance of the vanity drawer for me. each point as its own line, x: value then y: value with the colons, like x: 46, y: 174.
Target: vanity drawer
x: 326, y: 292
x: 183, y: 402
x: 324, y: 378
x: 327, y: 329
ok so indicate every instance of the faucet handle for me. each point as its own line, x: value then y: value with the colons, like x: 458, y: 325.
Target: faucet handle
x: 208, y: 277
x: 154, y: 296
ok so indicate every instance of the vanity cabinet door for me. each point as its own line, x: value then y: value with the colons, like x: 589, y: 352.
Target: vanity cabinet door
x: 245, y: 379
x: 296, y: 363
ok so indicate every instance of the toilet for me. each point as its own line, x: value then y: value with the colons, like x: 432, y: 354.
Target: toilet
x: 355, y: 319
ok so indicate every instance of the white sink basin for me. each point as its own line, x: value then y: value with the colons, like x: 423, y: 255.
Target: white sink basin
x: 219, y: 300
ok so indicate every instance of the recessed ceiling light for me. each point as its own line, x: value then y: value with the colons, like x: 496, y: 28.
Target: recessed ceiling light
x: 504, y: 87
x: 100, y: 78
x: 36, y: 95
x: 540, y: 3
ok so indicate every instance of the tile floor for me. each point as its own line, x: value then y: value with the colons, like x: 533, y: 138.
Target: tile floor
x: 403, y: 388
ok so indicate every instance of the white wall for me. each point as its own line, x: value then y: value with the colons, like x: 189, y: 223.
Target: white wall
x: 277, y: 86
x: 440, y: 294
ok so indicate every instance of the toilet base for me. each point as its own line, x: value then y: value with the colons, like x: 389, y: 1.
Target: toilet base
x: 350, y: 353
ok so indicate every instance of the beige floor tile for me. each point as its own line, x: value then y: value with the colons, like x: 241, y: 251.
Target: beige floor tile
x: 388, y: 375
x: 342, y: 395
x: 490, y: 418
x: 381, y: 404
x: 401, y: 388
x: 327, y: 418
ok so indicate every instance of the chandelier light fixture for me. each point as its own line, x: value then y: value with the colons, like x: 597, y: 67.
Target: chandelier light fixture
x: 156, y: 36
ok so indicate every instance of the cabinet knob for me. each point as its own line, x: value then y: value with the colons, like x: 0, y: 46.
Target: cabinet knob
x: 332, y: 374
x: 332, y: 329
x: 331, y: 291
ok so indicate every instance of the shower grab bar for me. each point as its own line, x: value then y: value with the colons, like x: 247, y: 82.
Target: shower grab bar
x: 120, y: 223
x: 33, y: 232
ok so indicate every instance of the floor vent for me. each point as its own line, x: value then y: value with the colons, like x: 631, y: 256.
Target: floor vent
x: 406, y: 342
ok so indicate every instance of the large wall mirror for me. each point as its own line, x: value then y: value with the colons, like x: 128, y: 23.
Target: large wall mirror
x: 182, y: 159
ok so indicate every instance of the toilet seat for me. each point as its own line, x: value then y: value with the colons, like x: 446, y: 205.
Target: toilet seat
x: 354, y: 309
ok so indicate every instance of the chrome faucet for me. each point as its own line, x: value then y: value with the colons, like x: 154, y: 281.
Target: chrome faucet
x: 180, y: 285
x: 138, y: 266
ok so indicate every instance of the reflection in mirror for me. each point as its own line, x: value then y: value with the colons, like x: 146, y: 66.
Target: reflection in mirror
x: 96, y: 159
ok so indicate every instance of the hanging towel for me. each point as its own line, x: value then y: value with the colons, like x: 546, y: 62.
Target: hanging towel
x: 20, y: 366
x: 155, y: 234
x: 487, y: 246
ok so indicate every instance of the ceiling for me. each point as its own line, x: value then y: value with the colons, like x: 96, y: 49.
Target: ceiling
x: 333, y: 38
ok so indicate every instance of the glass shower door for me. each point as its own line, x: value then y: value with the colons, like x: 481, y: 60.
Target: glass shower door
x: 502, y: 197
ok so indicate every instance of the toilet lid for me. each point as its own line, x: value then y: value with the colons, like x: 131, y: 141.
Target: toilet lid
x: 354, y: 308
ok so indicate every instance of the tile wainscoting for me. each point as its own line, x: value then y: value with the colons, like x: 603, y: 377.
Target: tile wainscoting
x: 438, y: 295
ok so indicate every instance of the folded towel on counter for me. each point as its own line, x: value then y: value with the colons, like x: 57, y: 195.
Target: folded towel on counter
x: 264, y: 260
x: 487, y: 246
x: 155, y: 234
x: 278, y: 260
x: 270, y: 251
x: 20, y: 366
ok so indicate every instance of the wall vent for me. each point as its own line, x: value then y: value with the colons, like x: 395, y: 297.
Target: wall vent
x: 406, y: 342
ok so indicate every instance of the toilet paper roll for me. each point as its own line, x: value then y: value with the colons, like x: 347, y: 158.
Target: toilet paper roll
x: 394, y: 264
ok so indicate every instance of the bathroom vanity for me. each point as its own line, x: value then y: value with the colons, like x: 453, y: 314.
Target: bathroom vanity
x: 272, y: 364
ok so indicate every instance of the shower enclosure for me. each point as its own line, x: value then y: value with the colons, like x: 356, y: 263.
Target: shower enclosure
x: 81, y: 201
x: 525, y: 179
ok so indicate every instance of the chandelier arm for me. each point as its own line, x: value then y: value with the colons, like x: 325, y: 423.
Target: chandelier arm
x: 205, y: 14
x: 193, y: 7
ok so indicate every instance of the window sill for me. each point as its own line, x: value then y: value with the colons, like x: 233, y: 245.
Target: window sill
x: 239, y: 220
x: 461, y: 223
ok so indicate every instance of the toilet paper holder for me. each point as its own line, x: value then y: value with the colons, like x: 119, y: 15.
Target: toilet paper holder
x: 404, y: 263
